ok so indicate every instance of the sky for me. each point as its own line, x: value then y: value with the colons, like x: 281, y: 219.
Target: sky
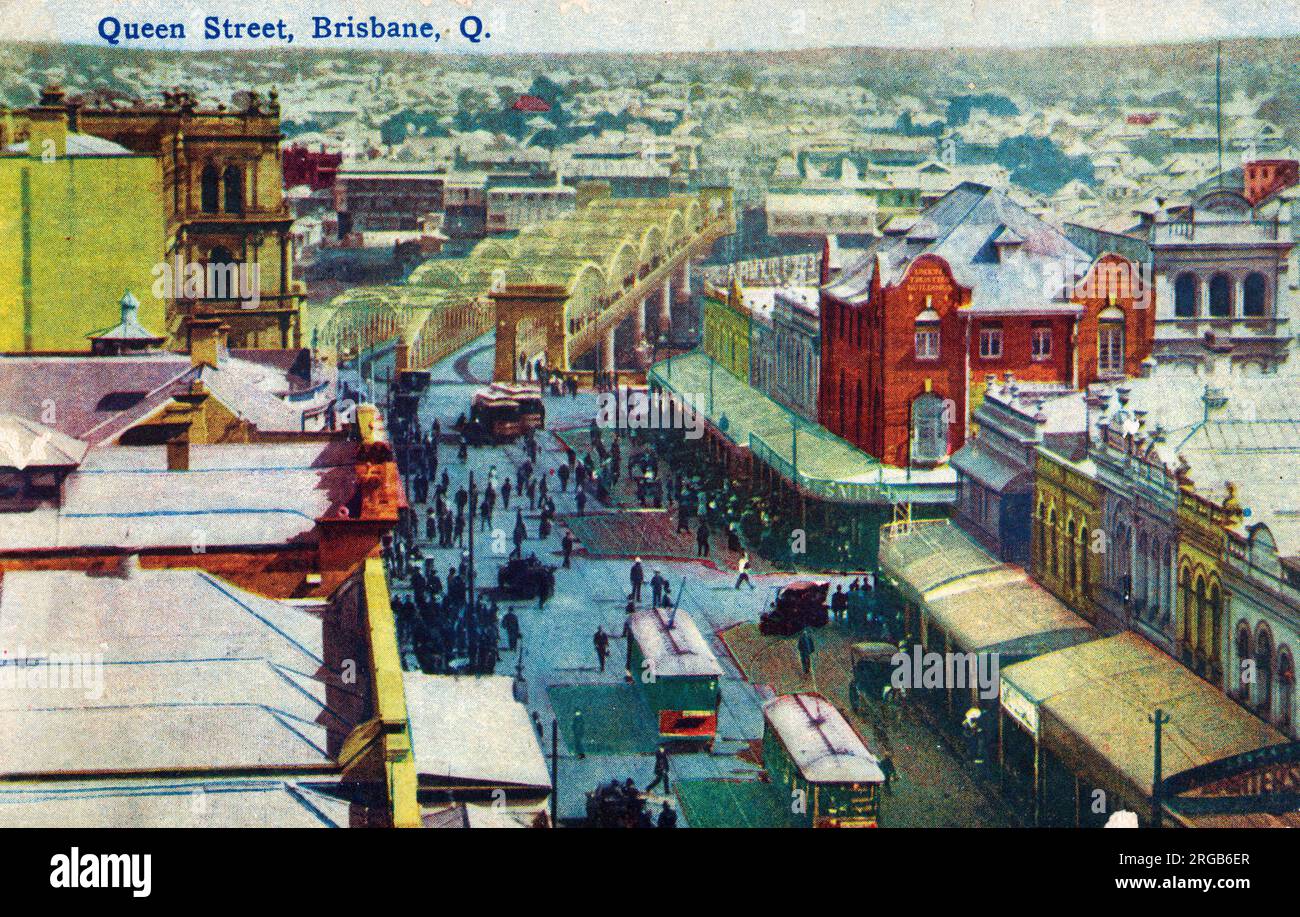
x: 551, y: 26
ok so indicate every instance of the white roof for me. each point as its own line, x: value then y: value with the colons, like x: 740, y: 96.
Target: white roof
x: 823, y: 745
x: 80, y: 145
x: 679, y: 650
x: 124, y: 496
x: 471, y: 728
x: 158, y: 670
x: 240, y: 803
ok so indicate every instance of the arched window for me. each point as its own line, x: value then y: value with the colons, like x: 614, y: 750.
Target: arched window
x: 1254, y: 292
x: 1185, y: 296
x: 1110, y: 343
x: 1243, y: 654
x: 1070, y: 556
x: 1264, y: 670
x: 1286, y: 688
x: 1141, y: 576
x: 929, y: 429
x: 1185, y: 586
x: 1215, y: 623
x: 223, y: 274
x: 1052, y: 556
x: 209, y: 190
x: 1202, y: 619
x: 1042, y: 536
x: 233, y: 182
x: 1084, y: 552
x: 1220, y: 296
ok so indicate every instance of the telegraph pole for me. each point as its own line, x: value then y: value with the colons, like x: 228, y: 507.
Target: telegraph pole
x: 1159, y: 718
x: 1218, y: 104
x: 473, y: 502
x: 555, y: 770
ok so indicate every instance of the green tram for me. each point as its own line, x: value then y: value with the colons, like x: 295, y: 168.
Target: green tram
x: 676, y: 673
x: 816, y: 757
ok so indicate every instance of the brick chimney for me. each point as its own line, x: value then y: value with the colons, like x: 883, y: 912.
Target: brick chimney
x: 47, y: 128
x: 1264, y: 177
x: 355, y: 529
x: 207, y: 340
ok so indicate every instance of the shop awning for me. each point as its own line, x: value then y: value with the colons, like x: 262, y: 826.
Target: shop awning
x: 1007, y: 613
x: 1090, y: 705
x: 921, y: 556
x: 990, y: 470
x: 820, y: 463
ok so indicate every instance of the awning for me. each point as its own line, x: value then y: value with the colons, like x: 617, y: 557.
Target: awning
x: 924, y: 555
x: 990, y: 470
x: 1091, y: 704
x: 1007, y: 613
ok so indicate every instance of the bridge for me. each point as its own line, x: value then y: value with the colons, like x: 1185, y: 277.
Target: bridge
x: 556, y: 292
x: 602, y: 267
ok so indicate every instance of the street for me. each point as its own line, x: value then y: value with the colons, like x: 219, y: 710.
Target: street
x: 723, y: 787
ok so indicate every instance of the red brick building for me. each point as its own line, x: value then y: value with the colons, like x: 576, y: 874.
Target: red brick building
x: 316, y: 169
x: 976, y: 285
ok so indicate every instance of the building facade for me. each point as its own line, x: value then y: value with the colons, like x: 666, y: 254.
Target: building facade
x: 387, y: 197
x: 1065, y: 550
x: 1222, y: 268
x: 223, y: 193
x: 69, y: 198
x: 726, y: 330
x: 976, y: 285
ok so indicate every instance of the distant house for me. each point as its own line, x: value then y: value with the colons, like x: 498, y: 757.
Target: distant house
x: 531, y: 104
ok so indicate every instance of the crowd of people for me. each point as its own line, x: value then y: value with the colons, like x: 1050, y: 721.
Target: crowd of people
x: 450, y: 625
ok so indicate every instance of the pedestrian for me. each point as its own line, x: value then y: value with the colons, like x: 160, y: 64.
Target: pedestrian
x: 702, y: 540
x: 637, y: 577
x: 657, y: 588
x: 743, y: 569
x: 887, y: 768
x: 601, y: 642
x: 430, y: 524
x: 581, y: 500
x: 661, y: 770
x: 806, y: 650
x: 578, y: 730
x: 520, y: 533
x: 505, y: 495
x: 563, y: 472
x: 566, y: 545
x: 510, y: 624
x: 667, y: 817
x: 839, y: 603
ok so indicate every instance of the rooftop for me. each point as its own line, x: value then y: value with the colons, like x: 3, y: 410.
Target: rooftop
x: 964, y: 228
x: 161, y: 670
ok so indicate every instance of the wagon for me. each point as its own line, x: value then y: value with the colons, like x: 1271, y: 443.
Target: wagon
x: 525, y: 577
x: 800, y: 604
x: 873, y: 666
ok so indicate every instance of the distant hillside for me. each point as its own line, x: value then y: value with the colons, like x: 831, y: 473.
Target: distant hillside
x: 1091, y: 74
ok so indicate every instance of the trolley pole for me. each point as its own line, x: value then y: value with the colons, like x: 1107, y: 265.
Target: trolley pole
x: 555, y: 770
x: 1159, y: 718
x: 473, y: 502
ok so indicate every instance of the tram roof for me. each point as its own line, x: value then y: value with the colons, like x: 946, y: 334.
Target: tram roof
x: 679, y: 650
x: 821, y: 742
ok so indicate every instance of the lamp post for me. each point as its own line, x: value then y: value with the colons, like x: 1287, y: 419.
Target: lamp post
x: 1158, y: 719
